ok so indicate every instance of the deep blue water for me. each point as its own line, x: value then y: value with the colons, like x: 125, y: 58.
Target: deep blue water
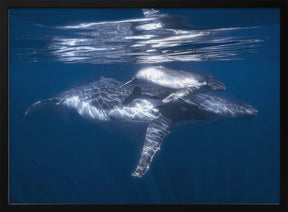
x: 55, y: 156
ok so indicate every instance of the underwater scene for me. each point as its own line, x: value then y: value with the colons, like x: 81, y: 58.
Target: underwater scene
x: 144, y: 106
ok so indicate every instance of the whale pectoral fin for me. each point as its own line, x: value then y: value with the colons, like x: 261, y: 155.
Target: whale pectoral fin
x: 156, y: 131
x: 179, y: 94
x: 126, y: 83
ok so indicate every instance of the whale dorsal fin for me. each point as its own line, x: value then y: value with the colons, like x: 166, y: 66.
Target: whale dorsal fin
x: 156, y: 131
x: 136, y: 93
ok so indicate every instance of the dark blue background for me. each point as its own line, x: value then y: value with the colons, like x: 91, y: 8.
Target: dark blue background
x: 55, y: 156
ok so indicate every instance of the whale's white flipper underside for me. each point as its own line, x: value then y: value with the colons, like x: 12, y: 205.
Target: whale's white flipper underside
x: 156, y: 132
x: 179, y: 94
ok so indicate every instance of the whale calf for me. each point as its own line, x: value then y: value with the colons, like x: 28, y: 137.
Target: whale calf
x: 103, y: 100
x: 182, y: 82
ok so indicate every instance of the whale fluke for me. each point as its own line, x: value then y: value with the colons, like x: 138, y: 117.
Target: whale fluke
x: 156, y: 131
x: 41, y: 102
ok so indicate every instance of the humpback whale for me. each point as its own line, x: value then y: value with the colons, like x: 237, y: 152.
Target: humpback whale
x: 103, y: 100
x: 182, y: 82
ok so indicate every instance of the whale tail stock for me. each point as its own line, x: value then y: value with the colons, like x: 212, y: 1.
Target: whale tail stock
x: 41, y: 102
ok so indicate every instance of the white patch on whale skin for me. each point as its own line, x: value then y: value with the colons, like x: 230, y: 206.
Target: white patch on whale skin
x: 85, y: 109
x: 138, y: 110
x: 222, y: 106
x: 179, y: 94
x: 141, y: 110
x: 169, y: 79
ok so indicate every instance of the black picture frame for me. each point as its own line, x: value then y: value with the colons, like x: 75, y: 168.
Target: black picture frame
x: 5, y: 5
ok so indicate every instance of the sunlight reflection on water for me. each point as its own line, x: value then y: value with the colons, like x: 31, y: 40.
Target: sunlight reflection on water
x: 155, y: 38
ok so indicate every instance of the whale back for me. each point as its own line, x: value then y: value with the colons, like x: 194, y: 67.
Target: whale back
x: 106, y: 93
